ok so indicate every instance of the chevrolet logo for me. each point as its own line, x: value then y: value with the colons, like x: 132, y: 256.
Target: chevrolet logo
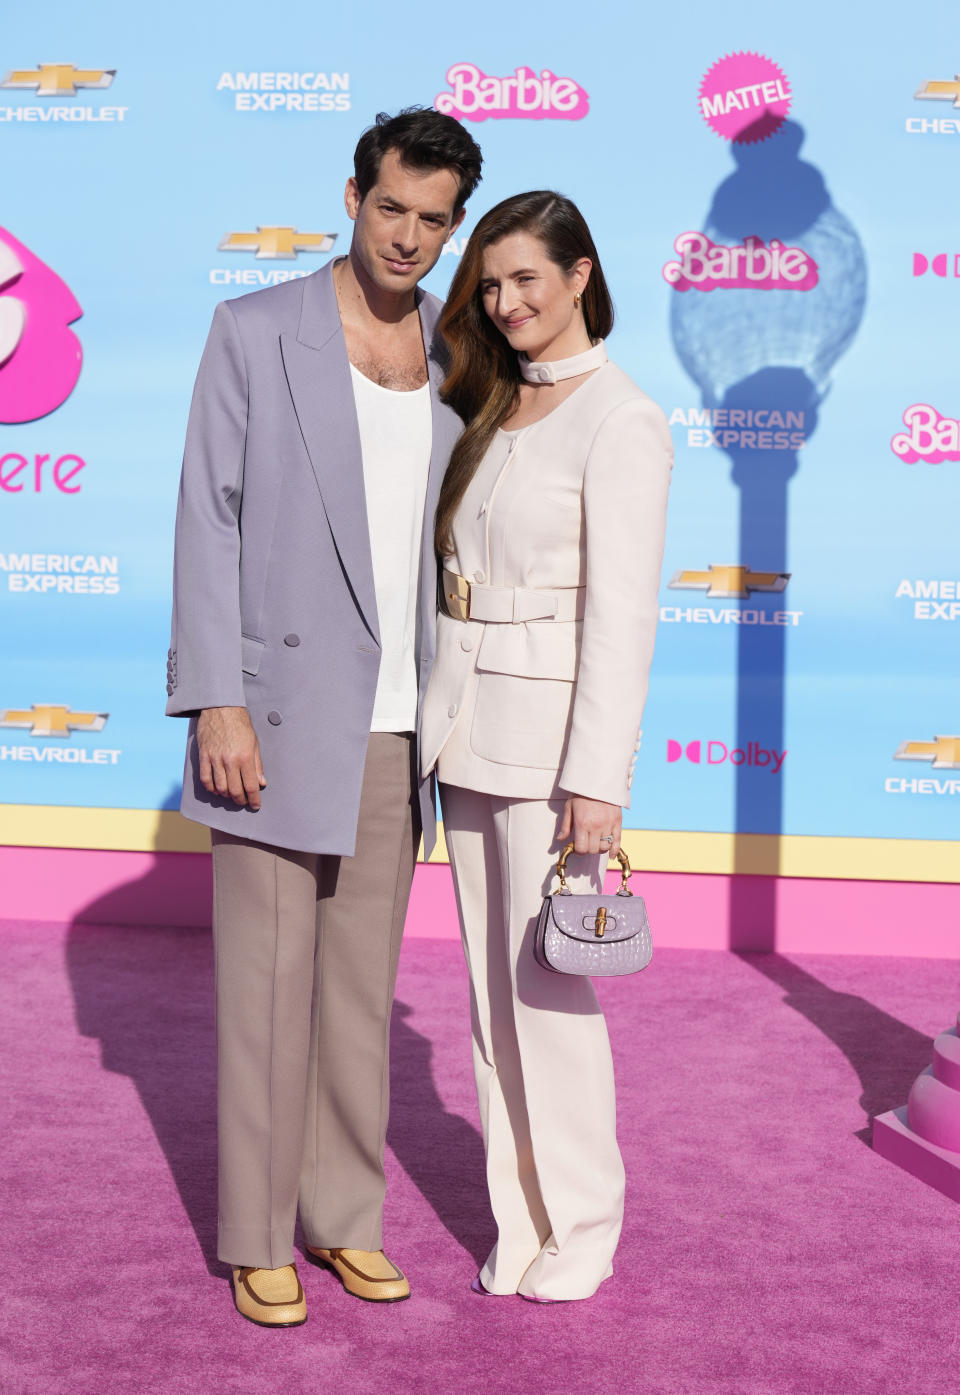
x: 729, y: 581
x: 48, y: 719
x: 277, y: 242
x: 944, y: 752
x: 940, y: 91
x: 59, y: 79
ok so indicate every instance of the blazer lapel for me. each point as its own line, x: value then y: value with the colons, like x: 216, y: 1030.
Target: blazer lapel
x: 318, y: 375
x: 446, y: 428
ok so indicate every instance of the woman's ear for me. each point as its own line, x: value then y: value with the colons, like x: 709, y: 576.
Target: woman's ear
x: 580, y: 274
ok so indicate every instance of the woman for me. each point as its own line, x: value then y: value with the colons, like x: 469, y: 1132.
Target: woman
x: 550, y: 524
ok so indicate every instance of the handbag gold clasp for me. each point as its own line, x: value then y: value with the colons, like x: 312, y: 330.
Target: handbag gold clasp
x: 601, y: 924
x: 625, y: 872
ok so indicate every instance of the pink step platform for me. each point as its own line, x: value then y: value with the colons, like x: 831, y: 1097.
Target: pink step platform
x: 923, y: 1136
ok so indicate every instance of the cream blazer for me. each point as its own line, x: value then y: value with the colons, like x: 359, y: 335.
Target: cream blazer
x: 531, y: 708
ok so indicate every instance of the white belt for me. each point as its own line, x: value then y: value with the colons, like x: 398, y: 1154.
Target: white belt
x: 510, y: 605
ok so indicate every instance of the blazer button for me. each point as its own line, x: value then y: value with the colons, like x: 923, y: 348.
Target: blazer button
x: 291, y: 640
x: 274, y: 718
x: 466, y: 645
x: 479, y: 577
x: 452, y: 710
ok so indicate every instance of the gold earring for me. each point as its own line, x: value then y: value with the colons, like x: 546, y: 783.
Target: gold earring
x: 576, y: 301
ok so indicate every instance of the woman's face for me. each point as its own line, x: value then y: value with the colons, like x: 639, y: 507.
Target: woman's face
x: 531, y: 300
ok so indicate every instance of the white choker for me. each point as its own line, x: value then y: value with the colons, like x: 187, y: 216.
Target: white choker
x: 563, y: 367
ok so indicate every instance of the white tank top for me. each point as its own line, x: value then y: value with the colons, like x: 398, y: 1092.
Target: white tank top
x: 396, y: 435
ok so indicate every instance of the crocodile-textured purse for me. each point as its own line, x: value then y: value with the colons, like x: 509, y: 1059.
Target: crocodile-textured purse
x: 590, y: 934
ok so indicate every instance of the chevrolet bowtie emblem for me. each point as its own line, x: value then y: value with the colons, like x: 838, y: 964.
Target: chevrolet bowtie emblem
x: 941, y: 91
x: 277, y: 242
x: 944, y: 752
x: 49, y: 719
x: 58, y: 79
x: 729, y: 581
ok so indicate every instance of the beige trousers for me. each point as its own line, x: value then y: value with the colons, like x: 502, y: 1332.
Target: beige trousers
x: 306, y: 949
x: 541, y: 1056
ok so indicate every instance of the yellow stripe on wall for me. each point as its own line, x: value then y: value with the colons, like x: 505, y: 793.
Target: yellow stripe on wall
x: 754, y: 854
x: 122, y: 830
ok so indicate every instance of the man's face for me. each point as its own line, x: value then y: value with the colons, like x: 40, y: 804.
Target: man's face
x: 402, y: 224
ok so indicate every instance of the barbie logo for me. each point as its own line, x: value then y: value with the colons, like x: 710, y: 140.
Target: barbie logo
x: 708, y: 266
x: 525, y: 95
x: 40, y: 355
x: 929, y: 436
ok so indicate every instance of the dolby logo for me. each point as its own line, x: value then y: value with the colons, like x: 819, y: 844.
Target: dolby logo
x: 719, y: 753
x: 944, y: 264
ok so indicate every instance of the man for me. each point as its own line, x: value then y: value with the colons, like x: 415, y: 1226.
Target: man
x: 303, y: 636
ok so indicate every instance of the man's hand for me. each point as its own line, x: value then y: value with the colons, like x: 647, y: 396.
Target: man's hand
x: 590, y: 820
x: 230, y: 755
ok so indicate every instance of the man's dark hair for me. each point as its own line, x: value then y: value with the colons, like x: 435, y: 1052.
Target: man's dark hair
x: 424, y: 140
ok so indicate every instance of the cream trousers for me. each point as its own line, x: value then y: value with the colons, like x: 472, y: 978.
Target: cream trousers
x: 541, y: 1055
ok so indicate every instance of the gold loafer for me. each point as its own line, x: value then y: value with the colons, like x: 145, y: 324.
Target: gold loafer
x: 367, y: 1274
x: 270, y: 1297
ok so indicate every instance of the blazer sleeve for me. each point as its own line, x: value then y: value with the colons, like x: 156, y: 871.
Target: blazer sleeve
x: 625, y: 486
x: 204, y: 660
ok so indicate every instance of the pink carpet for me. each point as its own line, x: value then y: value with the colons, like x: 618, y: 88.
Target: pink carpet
x: 767, y: 1249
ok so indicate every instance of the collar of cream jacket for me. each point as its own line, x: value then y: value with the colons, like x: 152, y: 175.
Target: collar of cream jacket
x: 563, y: 367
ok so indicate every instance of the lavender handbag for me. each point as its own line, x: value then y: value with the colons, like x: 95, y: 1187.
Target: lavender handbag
x: 591, y: 934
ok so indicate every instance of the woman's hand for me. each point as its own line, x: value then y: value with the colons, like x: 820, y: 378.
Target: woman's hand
x: 590, y: 820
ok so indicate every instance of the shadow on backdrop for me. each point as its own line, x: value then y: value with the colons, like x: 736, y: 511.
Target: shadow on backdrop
x: 773, y: 350
x: 146, y: 994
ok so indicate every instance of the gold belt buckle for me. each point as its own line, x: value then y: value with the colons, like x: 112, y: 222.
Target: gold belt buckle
x: 456, y: 590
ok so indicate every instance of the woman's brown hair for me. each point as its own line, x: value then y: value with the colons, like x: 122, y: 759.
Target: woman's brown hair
x: 483, y: 378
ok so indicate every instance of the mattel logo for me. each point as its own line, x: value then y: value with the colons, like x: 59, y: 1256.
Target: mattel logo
x: 938, y: 264
x: 525, y: 95
x: 717, y: 753
x: 745, y: 97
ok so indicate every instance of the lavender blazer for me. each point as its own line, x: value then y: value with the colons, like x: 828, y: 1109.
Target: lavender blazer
x: 274, y: 606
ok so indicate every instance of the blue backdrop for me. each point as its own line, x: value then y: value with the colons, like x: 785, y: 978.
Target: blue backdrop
x: 801, y: 685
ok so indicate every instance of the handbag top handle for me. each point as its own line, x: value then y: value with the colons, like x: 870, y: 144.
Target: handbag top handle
x: 625, y: 872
